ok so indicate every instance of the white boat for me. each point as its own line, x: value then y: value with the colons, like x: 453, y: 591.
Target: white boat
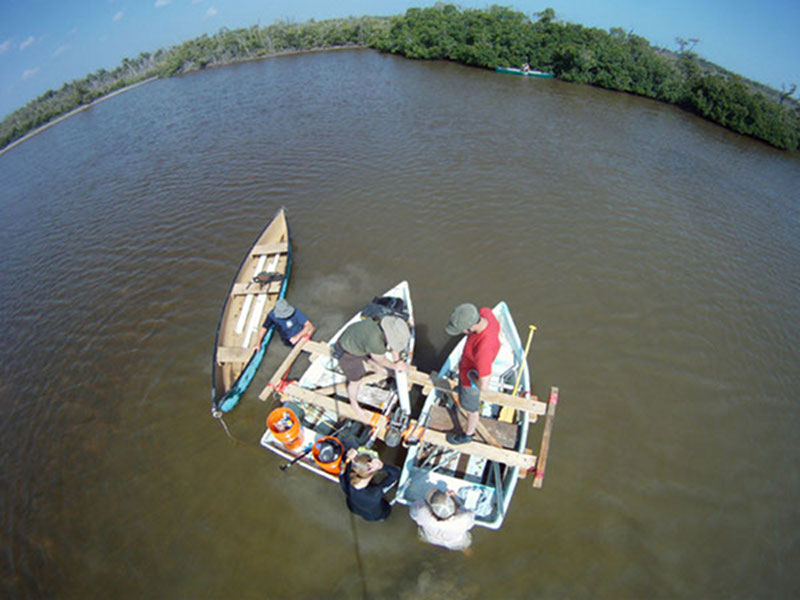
x: 484, y: 486
x: 313, y: 423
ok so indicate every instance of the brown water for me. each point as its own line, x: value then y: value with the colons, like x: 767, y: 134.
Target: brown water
x: 657, y: 255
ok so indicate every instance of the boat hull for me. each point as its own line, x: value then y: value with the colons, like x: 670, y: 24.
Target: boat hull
x: 235, y: 360
x: 484, y: 486
x: 324, y: 372
x: 532, y: 73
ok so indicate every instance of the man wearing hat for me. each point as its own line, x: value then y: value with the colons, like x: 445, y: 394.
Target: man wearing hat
x: 362, y: 349
x: 483, y: 343
x: 442, y: 520
x: 290, y: 323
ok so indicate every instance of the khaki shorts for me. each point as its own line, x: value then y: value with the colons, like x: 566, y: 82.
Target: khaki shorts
x: 353, y: 367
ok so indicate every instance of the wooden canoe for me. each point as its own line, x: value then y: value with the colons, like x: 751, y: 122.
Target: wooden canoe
x: 235, y: 358
x: 324, y: 380
x: 484, y: 486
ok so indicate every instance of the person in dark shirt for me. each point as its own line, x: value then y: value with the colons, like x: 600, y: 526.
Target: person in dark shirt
x: 290, y: 323
x: 363, y: 485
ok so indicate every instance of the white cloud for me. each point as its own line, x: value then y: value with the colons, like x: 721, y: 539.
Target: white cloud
x: 162, y: 3
x: 118, y: 16
x: 5, y: 46
x: 27, y: 42
x: 211, y: 12
x: 28, y: 73
x: 61, y: 49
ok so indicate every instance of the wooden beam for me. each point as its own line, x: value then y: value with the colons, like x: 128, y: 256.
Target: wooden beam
x: 284, y: 368
x: 541, y: 464
x: 415, y: 377
x: 344, y: 410
x: 530, y: 405
x: 277, y: 248
x: 340, y: 389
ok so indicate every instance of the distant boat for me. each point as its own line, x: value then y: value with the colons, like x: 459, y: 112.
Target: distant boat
x: 515, y: 71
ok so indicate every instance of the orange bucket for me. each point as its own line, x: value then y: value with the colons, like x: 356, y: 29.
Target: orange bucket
x: 328, y: 452
x: 285, y: 426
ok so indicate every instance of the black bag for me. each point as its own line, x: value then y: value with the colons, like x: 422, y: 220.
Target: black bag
x: 385, y: 306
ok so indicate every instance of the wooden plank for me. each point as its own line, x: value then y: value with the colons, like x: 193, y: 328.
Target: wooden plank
x: 343, y: 409
x: 530, y: 405
x: 233, y: 354
x: 277, y: 248
x: 284, y: 367
x: 541, y: 464
x: 254, y: 289
x: 340, y: 389
x: 480, y: 428
x: 441, y: 419
x: 415, y: 377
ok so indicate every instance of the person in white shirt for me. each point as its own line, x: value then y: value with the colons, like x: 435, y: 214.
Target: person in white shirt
x: 443, y: 521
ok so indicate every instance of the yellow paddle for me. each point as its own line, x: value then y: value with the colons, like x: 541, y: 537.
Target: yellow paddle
x: 507, y: 413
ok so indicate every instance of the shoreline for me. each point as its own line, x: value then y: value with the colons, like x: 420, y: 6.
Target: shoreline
x: 74, y: 111
x: 83, y: 107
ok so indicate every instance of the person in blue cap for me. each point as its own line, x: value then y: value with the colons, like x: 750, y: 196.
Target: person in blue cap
x: 290, y: 323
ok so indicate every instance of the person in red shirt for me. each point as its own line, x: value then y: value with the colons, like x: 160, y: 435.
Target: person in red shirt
x: 474, y: 370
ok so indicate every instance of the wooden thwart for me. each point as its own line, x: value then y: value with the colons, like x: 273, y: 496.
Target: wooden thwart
x: 276, y: 248
x: 235, y: 354
x: 252, y: 288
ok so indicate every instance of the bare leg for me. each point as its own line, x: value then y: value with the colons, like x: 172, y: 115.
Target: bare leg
x: 472, y: 423
x: 352, y: 395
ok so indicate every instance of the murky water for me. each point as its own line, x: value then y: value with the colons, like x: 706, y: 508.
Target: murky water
x: 657, y: 255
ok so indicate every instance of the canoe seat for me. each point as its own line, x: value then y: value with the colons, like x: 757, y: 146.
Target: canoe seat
x: 233, y: 354
x: 244, y: 289
x: 277, y: 248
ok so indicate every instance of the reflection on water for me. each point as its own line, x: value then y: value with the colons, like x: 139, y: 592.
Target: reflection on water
x: 656, y: 254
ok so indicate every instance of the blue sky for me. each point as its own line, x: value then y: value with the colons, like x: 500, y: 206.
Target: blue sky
x: 46, y: 43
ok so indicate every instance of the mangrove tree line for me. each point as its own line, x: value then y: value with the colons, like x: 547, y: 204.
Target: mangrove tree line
x: 487, y: 38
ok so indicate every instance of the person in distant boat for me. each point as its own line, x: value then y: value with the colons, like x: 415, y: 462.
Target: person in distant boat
x: 442, y: 520
x: 290, y: 323
x: 526, y: 68
x: 364, y: 481
x: 483, y: 343
x: 362, y: 347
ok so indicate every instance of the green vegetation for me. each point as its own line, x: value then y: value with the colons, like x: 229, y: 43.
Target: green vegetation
x: 224, y: 47
x: 613, y: 59
x: 497, y: 36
